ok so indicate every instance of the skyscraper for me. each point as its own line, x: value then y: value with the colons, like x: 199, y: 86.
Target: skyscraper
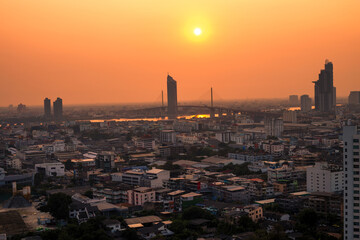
x: 305, y: 103
x: 172, y: 97
x: 294, y: 100
x: 351, y: 161
x: 325, y: 93
x: 47, y: 108
x: 58, y: 109
x: 354, y: 98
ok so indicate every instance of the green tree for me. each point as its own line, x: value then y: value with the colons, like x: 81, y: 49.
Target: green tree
x: 307, y: 220
x: 89, y: 194
x: 58, y: 205
x: 38, y: 178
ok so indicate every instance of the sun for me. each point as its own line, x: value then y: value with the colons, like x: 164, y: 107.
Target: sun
x: 197, y: 31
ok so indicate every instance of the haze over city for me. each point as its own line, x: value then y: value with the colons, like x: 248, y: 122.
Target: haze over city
x: 169, y: 120
x: 121, y: 51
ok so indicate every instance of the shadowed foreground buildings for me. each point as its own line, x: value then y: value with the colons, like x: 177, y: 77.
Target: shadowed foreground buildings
x: 172, y: 97
x: 325, y: 92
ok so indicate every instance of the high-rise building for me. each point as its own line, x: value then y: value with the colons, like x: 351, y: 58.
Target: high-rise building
x: 58, y: 109
x: 294, y: 100
x: 354, y: 98
x: 274, y: 127
x: 325, y: 94
x: 47, y: 108
x: 290, y: 116
x: 351, y: 161
x: 21, y: 108
x: 172, y: 97
x: 305, y: 103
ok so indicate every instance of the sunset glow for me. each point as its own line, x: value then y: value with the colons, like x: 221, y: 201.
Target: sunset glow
x: 120, y: 51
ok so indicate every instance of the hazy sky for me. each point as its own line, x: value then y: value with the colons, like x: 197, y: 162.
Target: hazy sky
x: 93, y: 51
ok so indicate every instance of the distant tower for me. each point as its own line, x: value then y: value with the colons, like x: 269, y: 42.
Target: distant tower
x: 305, y: 103
x: 325, y: 93
x: 294, y: 100
x: 172, y: 97
x: 58, y: 109
x: 47, y: 108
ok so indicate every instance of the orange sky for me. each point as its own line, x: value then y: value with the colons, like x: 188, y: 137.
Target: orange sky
x: 113, y: 51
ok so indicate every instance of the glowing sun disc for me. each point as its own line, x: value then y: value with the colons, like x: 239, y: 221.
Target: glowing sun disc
x: 197, y: 31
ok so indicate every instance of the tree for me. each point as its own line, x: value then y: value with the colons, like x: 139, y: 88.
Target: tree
x: 194, y: 212
x: 307, y: 220
x: 89, y: 194
x: 69, y: 165
x: 177, y: 226
x: 38, y: 178
x: 58, y: 205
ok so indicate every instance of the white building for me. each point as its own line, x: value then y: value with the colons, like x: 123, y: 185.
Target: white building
x: 153, y: 178
x: 50, y: 169
x: 224, y: 137
x: 324, y: 177
x: 141, y: 195
x: 351, y: 138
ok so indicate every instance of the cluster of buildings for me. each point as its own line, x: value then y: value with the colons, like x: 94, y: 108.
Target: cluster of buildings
x: 267, y: 166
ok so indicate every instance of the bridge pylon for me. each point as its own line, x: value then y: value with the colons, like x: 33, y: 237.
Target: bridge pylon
x: 212, y: 112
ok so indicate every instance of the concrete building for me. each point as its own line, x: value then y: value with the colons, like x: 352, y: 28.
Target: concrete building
x: 306, y: 103
x: 106, y: 161
x: 172, y: 97
x: 47, y: 108
x: 351, y: 139
x: 255, y: 212
x: 325, y: 203
x: 290, y: 116
x: 147, y: 143
x: 50, y: 169
x: 156, y: 177
x: 168, y: 136
x: 231, y: 193
x: 58, y: 109
x: 286, y: 172
x: 324, y: 177
x: 354, y: 98
x: 153, y: 178
x: 294, y: 100
x: 141, y: 195
x: 324, y: 89
x: 274, y: 127
x: 224, y: 137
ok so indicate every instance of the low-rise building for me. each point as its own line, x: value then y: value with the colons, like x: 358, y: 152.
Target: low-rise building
x: 56, y: 169
x: 324, y: 177
x: 255, y: 212
x: 141, y: 195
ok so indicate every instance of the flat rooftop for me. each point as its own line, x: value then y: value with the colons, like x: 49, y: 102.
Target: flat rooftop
x: 142, y: 220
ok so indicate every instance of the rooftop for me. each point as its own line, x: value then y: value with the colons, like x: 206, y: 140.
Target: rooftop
x: 142, y: 220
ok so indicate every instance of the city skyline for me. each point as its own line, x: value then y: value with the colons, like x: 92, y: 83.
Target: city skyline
x: 70, y: 54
